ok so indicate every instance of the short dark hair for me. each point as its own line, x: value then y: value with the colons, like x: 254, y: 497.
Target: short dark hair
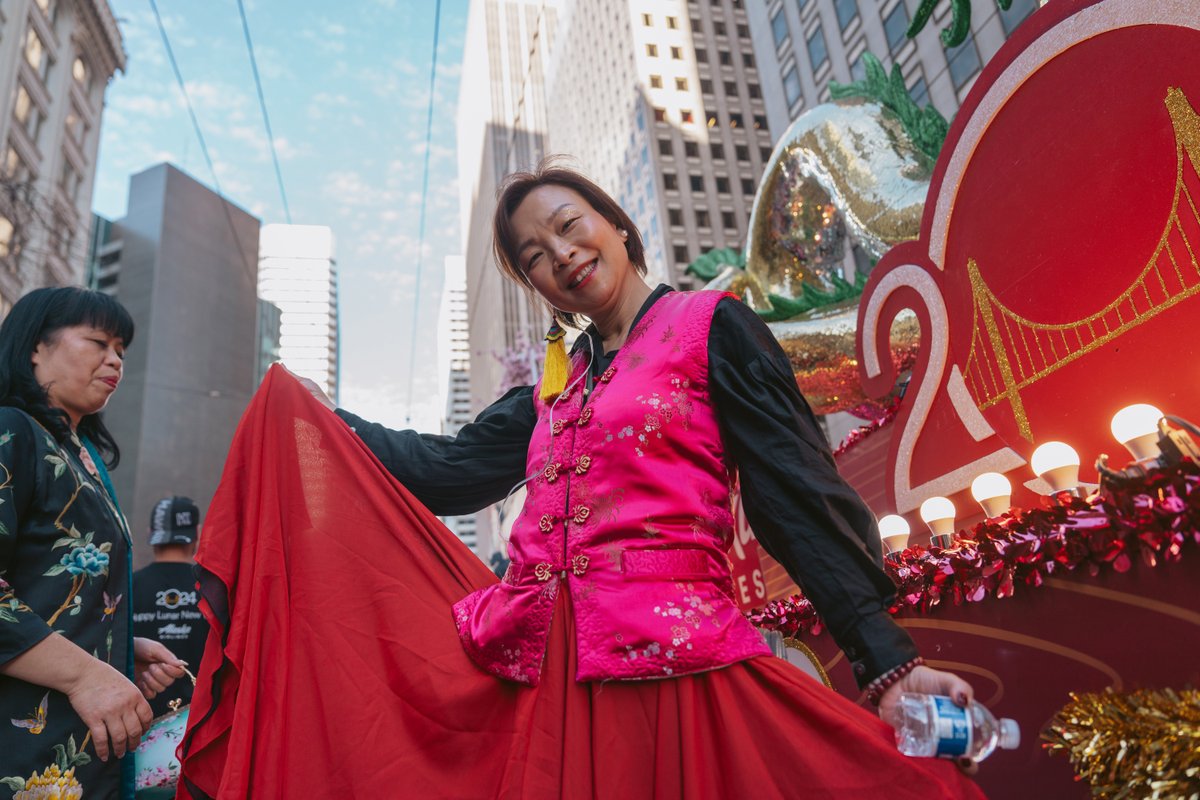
x: 35, y: 319
x: 551, y: 172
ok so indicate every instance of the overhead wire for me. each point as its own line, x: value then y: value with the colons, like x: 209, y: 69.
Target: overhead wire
x: 262, y: 103
x: 251, y: 275
x: 412, y: 356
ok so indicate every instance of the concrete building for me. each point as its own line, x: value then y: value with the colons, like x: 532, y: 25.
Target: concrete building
x: 501, y: 128
x: 298, y: 273
x: 454, y: 373
x: 56, y: 57
x: 802, y: 45
x: 269, y: 317
x: 184, y: 262
x: 660, y: 102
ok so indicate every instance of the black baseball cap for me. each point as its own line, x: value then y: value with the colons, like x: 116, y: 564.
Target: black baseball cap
x: 174, y: 520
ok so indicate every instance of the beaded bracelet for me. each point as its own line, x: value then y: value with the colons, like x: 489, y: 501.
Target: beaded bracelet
x: 877, y: 687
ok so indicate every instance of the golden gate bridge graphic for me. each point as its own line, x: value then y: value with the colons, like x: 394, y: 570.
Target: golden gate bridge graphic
x: 1009, y: 353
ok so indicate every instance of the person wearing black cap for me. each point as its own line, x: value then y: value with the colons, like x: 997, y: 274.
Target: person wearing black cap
x: 165, y: 600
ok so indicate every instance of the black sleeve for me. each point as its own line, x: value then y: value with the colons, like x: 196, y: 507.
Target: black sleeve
x: 458, y: 474
x: 802, y: 511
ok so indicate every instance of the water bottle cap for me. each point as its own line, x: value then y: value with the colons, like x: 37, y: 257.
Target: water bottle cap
x: 1010, y: 734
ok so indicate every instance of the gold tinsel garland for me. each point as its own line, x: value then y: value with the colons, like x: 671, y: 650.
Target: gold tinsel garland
x: 1143, y: 744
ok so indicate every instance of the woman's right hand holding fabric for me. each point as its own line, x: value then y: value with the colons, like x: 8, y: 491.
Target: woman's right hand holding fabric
x: 112, y: 708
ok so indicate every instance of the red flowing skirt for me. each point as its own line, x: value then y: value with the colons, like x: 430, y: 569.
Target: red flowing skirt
x: 333, y: 667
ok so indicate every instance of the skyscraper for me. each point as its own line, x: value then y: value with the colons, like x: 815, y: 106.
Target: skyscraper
x: 298, y: 274
x: 802, y: 45
x: 183, y: 261
x: 660, y: 103
x: 454, y: 374
x: 56, y: 57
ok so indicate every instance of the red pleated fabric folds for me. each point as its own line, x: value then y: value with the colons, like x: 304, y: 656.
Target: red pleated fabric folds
x: 333, y: 668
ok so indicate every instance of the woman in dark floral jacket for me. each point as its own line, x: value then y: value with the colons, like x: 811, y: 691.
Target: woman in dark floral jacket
x: 69, y: 709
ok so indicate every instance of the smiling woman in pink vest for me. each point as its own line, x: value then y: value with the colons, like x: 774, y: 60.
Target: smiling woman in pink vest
x: 611, y: 660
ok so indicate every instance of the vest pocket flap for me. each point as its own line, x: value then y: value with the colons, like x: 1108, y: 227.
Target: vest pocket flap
x: 656, y: 563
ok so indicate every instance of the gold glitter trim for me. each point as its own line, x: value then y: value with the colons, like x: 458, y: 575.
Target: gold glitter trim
x: 811, y: 656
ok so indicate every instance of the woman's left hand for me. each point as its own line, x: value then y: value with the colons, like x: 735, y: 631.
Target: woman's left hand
x: 926, y: 680
x: 154, y: 666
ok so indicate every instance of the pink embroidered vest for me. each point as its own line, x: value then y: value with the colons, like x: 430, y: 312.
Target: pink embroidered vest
x: 630, y: 512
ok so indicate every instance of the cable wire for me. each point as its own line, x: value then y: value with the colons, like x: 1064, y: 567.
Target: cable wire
x: 251, y: 274
x: 412, y: 356
x: 262, y: 103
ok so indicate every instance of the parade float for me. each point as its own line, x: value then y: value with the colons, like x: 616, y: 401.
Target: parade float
x: 982, y: 298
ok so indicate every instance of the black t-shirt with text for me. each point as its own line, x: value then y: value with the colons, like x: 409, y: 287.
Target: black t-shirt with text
x: 166, y: 608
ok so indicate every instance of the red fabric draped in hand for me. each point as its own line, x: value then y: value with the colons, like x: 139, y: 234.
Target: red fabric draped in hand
x: 309, y: 670
x: 333, y: 668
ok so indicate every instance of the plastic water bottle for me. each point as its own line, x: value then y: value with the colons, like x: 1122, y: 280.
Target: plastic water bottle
x: 933, y: 725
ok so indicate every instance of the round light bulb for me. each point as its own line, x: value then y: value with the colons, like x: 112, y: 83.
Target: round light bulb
x: 1136, y: 427
x: 992, y: 491
x: 1057, y: 464
x: 894, y: 531
x: 938, y: 514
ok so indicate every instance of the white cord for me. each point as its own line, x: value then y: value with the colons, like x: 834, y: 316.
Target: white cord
x: 550, y: 421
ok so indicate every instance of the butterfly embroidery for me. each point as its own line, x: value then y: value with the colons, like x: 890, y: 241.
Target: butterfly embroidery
x: 38, y: 723
x: 110, y: 605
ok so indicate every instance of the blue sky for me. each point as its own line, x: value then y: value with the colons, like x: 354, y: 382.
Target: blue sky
x: 347, y: 88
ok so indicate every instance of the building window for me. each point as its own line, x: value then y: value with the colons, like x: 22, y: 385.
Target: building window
x: 677, y: 53
x: 765, y: 153
x: 735, y: 121
x: 725, y: 57
x: 647, y: 20
x: 800, y: 4
x: 760, y: 122
x: 691, y: 149
x: 895, y: 27
x: 753, y: 89
x: 818, y: 54
x: 673, y: 23
x: 791, y: 86
x: 681, y: 255
x: 742, y: 153
x: 719, y: 29
x: 6, y: 237
x: 652, y: 50
x: 858, y: 70
x: 76, y: 127
x: 728, y: 221
x: 660, y: 115
x: 702, y: 220
x: 963, y: 62
x: 748, y: 60
x: 28, y: 114
x: 731, y: 88
x: 701, y: 56
x: 696, y: 182
x: 713, y: 121
x: 718, y: 151
x: 847, y: 10
x: 656, y: 81
x: 69, y: 181
x: 722, y: 184
x: 681, y: 84
x: 670, y: 181
x: 675, y: 217
x: 664, y: 147
x: 706, y: 86
x: 748, y: 187
x: 1016, y: 14
x: 36, y: 55
x: 686, y: 116
x: 919, y: 91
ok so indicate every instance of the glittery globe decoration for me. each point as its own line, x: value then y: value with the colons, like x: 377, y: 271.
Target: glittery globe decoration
x: 845, y: 172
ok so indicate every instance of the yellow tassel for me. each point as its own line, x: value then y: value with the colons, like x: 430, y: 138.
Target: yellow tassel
x: 554, y: 372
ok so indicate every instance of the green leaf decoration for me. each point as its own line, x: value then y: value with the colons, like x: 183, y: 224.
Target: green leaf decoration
x: 65, y: 541
x: 711, y: 264
x: 57, y: 569
x: 74, y: 612
x: 106, y: 547
x: 925, y: 126
x: 784, y: 308
x: 3, y: 529
x: 16, y: 784
x: 5, y: 438
x: 60, y: 757
x: 71, y: 746
x: 60, y: 466
x: 960, y: 20
x: 73, y: 531
x: 6, y: 615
